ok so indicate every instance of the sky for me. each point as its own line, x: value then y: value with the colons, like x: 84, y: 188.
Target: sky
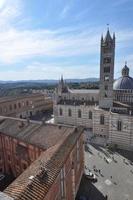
x: 44, y: 39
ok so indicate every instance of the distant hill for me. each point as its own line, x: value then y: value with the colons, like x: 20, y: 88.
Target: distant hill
x: 49, y: 82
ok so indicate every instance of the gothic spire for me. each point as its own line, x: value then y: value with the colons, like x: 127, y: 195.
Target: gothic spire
x: 108, y: 36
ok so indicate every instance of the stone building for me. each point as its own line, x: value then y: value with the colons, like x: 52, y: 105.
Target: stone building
x: 53, y: 153
x: 25, y: 105
x: 105, y: 111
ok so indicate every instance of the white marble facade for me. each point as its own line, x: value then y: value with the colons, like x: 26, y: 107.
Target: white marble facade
x: 107, y: 112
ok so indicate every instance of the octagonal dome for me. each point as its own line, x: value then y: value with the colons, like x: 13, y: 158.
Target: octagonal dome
x: 123, y: 83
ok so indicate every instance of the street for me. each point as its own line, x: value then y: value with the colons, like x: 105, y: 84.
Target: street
x: 114, y: 172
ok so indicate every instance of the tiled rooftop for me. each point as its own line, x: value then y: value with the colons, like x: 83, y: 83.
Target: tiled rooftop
x: 12, y: 98
x: 40, y: 135
x: 43, y: 171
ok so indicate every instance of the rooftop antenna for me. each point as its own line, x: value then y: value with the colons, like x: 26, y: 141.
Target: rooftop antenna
x: 125, y: 62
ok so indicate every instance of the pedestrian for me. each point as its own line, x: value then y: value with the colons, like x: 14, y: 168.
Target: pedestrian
x: 99, y: 171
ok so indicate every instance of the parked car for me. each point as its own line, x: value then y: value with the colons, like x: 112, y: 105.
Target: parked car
x: 90, y: 176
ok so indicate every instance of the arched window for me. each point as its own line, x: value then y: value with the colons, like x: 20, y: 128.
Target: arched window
x: 15, y: 106
x: 19, y: 105
x: 0, y: 109
x: 90, y: 114
x: 61, y: 112
x: 79, y: 113
x: 27, y: 103
x: 10, y: 107
x: 5, y: 109
x: 102, y: 119
x: 119, y: 125
x: 69, y: 112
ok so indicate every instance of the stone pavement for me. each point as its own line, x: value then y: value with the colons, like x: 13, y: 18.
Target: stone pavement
x: 115, y: 178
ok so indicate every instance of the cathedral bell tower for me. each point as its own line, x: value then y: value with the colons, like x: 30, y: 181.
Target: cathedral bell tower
x: 107, y: 71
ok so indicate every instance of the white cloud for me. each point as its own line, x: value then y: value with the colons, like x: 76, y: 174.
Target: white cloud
x: 9, y: 11
x: 16, y: 45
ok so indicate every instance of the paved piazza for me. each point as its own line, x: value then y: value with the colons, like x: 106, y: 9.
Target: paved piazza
x: 115, y: 178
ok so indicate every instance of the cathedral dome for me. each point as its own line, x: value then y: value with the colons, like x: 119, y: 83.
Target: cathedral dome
x: 125, y: 82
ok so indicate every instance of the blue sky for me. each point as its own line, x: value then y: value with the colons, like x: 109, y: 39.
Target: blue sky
x: 46, y: 38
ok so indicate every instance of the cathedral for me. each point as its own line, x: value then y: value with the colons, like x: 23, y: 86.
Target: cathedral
x: 107, y: 112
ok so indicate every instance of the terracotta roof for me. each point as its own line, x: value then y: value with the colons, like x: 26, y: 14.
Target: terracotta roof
x: 12, y: 98
x: 42, y: 179
x: 40, y: 135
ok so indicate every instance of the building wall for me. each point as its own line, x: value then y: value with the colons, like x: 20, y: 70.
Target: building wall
x: 124, y: 137
x: 124, y: 96
x: 98, y: 128
x: 84, y: 120
x: 16, y: 156
x: 25, y: 106
x: 67, y: 183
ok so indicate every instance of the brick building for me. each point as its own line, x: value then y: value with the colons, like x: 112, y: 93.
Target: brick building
x: 24, y: 105
x: 53, y: 153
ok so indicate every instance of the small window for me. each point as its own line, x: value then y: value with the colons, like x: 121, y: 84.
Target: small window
x: 106, y: 69
x: 10, y: 107
x: 79, y: 113
x: 62, y: 182
x: 77, y: 152
x: 17, y: 162
x: 107, y: 60
x: 119, y: 125
x: 90, y: 114
x: 5, y: 109
x: 19, y: 105
x: 15, y: 106
x: 102, y: 119
x: 24, y: 166
x: 69, y: 112
x: 106, y: 78
x: 9, y: 157
x: 61, y: 112
x: 106, y: 87
x: 0, y: 109
x: 105, y: 95
x: 27, y: 103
